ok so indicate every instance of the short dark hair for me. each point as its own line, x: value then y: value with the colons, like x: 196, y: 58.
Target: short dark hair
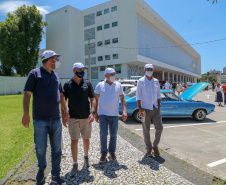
x: 46, y: 60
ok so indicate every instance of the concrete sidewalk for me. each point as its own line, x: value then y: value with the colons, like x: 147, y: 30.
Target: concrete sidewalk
x: 132, y: 166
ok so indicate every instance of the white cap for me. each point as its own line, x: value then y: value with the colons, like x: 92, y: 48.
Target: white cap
x: 48, y: 54
x: 109, y: 71
x: 78, y: 65
x: 148, y: 66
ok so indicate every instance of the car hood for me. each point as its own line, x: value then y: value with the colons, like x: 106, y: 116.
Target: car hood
x: 192, y: 91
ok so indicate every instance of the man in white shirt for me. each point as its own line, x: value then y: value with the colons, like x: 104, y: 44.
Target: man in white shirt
x: 167, y: 85
x: 149, y: 104
x: 107, y: 96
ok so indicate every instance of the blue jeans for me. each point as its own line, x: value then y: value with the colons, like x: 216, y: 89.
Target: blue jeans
x: 42, y: 128
x: 112, y: 122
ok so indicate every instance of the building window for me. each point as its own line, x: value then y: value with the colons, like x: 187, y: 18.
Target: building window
x: 102, y: 68
x: 89, y: 34
x: 94, y: 72
x: 110, y: 66
x: 99, y: 28
x: 99, y: 13
x: 92, y: 61
x: 100, y: 58
x: 114, y: 8
x: 118, y: 68
x: 115, y: 56
x: 92, y: 48
x: 114, y: 24
x: 115, y: 40
x: 106, y: 26
x: 107, y: 57
x: 106, y: 11
x: 107, y: 42
x: 100, y: 43
x: 89, y: 19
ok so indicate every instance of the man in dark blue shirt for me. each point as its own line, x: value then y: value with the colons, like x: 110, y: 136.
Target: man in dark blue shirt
x: 79, y: 91
x: 47, y: 92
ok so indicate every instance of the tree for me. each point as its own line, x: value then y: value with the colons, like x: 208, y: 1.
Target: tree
x: 208, y: 78
x: 20, y: 35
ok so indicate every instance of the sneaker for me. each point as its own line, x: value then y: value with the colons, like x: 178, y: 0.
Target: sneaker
x: 86, y: 161
x: 112, y: 156
x: 58, y: 180
x: 103, y: 158
x: 74, y: 170
x: 149, y: 153
x: 40, y: 176
x: 156, y: 151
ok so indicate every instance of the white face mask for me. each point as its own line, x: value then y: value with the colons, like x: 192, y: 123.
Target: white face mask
x: 149, y: 73
x: 112, y: 79
x: 57, y: 64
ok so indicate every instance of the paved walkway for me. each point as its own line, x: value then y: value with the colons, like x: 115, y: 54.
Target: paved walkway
x: 132, y: 166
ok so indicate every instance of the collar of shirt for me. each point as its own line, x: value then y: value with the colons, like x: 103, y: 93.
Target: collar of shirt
x: 82, y: 82
x: 109, y: 84
x: 147, y: 80
x: 42, y: 69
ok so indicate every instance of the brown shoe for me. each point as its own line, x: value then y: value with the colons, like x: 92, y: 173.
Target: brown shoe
x: 149, y: 153
x: 156, y: 151
x: 103, y: 158
x: 112, y: 156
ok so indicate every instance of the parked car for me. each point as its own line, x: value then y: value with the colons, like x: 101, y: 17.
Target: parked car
x: 135, y: 77
x: 126, y: 81
x: 173, y: 106
x: 125, y: 87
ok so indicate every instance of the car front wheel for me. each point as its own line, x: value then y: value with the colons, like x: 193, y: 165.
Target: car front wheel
x: 137, y: 116
x: 199, y: 115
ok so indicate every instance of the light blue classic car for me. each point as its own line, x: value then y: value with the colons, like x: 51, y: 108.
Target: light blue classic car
x: 173, y: 105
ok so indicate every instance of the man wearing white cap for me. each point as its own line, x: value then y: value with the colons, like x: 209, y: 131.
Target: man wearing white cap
x: 78, y: 91
x: 149, y: 104
x: 47, y: 92
x: 108, y: 93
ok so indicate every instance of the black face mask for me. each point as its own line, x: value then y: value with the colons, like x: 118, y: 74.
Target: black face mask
x: 80, y: 74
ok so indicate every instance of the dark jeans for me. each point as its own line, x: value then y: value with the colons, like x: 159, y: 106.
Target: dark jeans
x: 224, y: 98
x: 53, y: 128
x: 112, y: 122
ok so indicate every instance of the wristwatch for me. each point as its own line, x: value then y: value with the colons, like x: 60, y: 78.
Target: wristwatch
x: 92, y: 112
x: 66, y: 111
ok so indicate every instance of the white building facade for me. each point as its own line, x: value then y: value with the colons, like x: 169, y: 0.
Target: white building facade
x: 123, y: 34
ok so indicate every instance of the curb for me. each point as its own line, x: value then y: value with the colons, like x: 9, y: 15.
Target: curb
x: 6, y: 178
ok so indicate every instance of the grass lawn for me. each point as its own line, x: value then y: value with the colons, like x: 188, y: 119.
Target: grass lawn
x: 15, y: 140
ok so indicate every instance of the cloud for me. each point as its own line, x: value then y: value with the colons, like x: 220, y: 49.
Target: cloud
x: 10, y: 6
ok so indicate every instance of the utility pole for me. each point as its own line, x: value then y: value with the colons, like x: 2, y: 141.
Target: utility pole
x: 89, y: 70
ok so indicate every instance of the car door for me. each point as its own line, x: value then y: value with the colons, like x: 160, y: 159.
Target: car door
x: 172, y: 105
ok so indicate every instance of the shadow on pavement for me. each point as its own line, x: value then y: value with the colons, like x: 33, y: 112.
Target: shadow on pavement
x: 109, y: 168
x: 82, y: 176
x: 150, y: 161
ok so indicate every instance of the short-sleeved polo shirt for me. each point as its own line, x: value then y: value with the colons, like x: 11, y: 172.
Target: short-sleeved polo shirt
x: 109, y: 98
x: 78, y: 98
x: 46, y: 89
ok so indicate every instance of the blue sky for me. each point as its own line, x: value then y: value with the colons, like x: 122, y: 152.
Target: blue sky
x: 196, y: 21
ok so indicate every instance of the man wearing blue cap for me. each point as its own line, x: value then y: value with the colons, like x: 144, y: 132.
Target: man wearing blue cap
x: 108, y: 93
x: 79, y: 91
x: 149, y: 104
x: 47, y: 92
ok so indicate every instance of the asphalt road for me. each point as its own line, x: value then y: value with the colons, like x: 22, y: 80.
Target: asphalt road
x: 202, y: 144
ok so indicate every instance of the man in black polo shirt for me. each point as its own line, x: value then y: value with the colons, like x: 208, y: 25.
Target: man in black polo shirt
x: 47, y: 92
x: 79, y: 91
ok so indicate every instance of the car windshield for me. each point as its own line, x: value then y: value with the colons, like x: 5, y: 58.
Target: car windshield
x: 168, y: 96
x: 131, y: 92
